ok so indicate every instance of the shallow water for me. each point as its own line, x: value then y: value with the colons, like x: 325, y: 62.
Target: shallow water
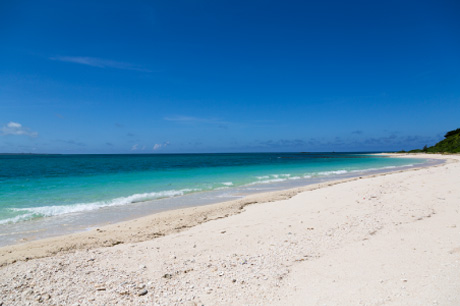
x: 44, y: 195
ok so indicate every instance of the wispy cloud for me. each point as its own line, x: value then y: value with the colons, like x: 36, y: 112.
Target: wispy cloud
x: 158, y: 146
x: 190, y: 119
x: 72, y: 142
x: 180, y: 118
x: 283, y: 143
x: 14, y: 128
x: 134, y: 147
x: 411, y: 142
x: 391, y: 141
x: 98, y: 62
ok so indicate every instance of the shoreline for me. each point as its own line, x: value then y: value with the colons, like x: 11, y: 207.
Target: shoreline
x: 384, y: 239
x: 47, y: 221
x: 172, y: 221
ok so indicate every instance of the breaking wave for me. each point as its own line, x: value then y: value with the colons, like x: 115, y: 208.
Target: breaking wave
x: 56, y: 210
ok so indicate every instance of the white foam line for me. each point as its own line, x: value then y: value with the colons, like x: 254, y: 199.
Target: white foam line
x: 267, y: 181
x: 333, y: 172
x: 56, y: 210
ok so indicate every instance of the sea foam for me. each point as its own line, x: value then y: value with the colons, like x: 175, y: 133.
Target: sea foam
x: 56, y: 210
x: 332, y: 172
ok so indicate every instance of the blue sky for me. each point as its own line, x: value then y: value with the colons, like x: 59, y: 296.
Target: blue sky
x: 227, y: 76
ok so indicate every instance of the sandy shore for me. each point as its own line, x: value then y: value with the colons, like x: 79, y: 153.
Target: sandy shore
x: 388, y: 239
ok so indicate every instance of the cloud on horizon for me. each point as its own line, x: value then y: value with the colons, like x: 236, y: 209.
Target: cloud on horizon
x: 14, y: 128
x: 98, y: 62
x: 283, y: 143
x: 158, y: 146
x: 389, y: 142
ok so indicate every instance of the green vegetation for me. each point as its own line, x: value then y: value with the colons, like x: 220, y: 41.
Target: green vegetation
x: 451, y: 144
x: 452, y: 133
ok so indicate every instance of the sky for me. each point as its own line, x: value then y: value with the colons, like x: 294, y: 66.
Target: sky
x: 227, y: 76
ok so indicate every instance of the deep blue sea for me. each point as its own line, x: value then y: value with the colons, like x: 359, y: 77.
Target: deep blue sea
x: 41, y: 188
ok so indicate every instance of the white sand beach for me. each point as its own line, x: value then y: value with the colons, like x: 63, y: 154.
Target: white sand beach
x: 385, y: 239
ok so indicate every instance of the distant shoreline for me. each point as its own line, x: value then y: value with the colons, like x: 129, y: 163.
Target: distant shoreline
x: 186, y: 153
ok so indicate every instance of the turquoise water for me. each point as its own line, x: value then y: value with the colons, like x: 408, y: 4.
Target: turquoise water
x: 42, y: 186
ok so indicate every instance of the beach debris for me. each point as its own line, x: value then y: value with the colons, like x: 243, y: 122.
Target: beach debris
x: 123, y: 292
x: 142, y: 292
x: 38, y: 298
x: 167, y: 276
x: 28, y: 292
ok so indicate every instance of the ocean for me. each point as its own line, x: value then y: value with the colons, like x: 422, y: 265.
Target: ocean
x: 45, y: 195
